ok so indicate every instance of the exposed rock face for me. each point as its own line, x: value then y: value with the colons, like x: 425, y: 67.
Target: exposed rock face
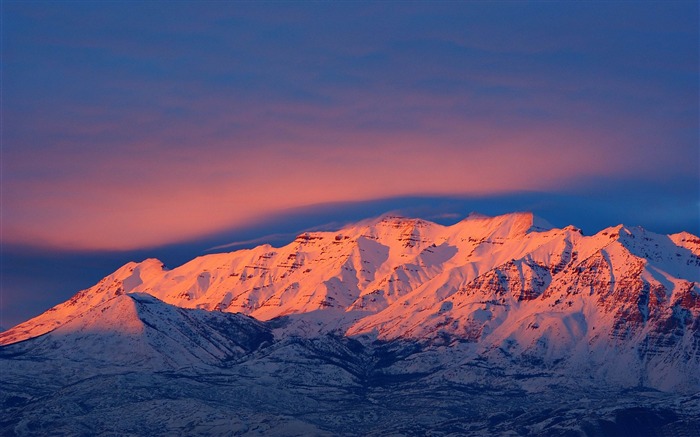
x: 505, y: 303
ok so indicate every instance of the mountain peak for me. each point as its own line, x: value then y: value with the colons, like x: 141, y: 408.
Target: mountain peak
x: 388, y: 220
x: 490, y: 302
x: 117, y: 315
x: 396, y: 268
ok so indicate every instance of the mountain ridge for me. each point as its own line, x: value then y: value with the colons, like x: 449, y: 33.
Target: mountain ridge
x: 379, y: 266
x: 389, y: 326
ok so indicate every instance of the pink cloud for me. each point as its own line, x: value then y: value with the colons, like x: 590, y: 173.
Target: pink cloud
x: 140, y: 195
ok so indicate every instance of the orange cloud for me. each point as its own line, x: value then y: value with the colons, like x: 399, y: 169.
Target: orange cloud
x: 144, y: 196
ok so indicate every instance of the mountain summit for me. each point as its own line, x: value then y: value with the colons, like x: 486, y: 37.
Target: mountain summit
x: 484, y: 299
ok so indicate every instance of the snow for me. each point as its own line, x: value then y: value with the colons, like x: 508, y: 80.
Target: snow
x: 624, y: 298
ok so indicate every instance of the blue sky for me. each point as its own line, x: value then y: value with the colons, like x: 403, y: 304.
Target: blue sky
x: 136, y: 129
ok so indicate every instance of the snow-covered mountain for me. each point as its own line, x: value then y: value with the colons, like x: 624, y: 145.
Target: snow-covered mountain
x: 137, y: 331
x: 505, y: 303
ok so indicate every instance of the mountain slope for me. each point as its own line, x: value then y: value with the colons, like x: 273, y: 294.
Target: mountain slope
x: 118, y: 283
x: 138, y: 331
x: 624, y: 298
x: 491, y: 326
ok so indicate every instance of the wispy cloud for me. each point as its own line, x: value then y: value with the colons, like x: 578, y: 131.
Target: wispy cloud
x: 252, y: 242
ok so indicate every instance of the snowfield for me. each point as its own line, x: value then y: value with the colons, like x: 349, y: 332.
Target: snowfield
x: 394, y: 326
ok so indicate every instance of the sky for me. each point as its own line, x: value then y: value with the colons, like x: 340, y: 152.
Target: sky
x: 170, y: 129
